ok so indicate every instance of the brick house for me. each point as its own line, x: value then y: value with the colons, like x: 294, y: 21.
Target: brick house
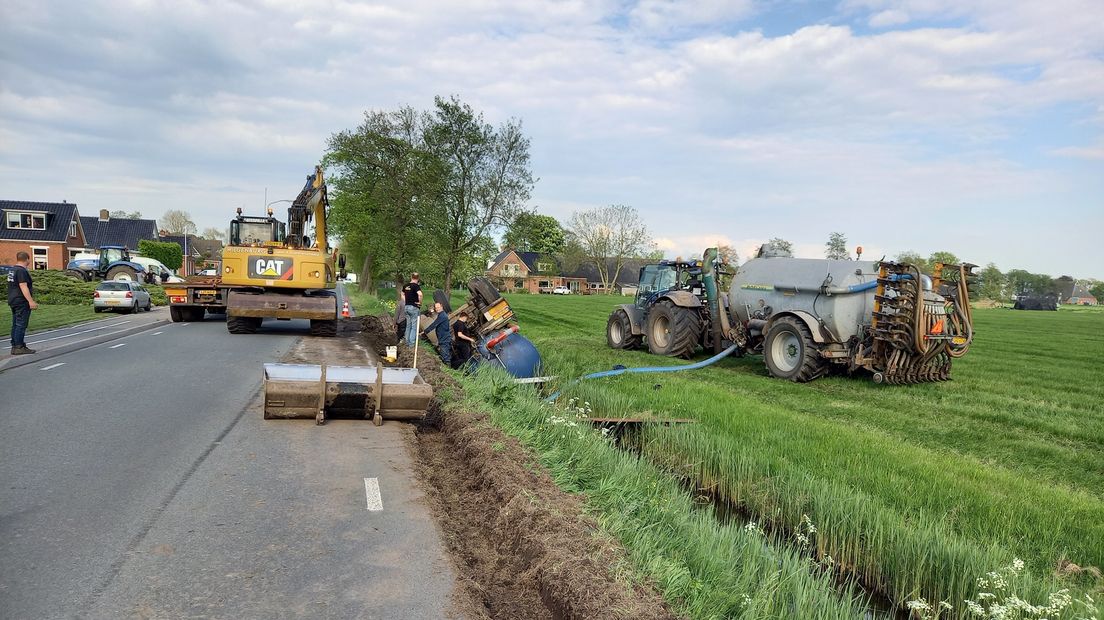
x: 45, y: 230
x: 625, y: 284
x: 513, y: 270
x: 201, y: 253
x: 105, y: 230
x: 1081, y: 297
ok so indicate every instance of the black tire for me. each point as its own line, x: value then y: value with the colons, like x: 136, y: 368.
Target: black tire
x: 241, y: 325
x: 672, y: 330
x: 132, y: 309
x: 440, y: 297
x: 619, y: 331
x: 149, y: 305
x: 77, y: 274
x: 323, y: 328
x: 485, y: 290
x: 121, y: 272
x: 97, y: 309
x: 175, y: 314
x: 791, y: 353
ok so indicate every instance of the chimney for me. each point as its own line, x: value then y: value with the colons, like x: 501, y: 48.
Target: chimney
x: 104, y: 215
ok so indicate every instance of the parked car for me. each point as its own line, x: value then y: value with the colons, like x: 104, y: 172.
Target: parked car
x: 208, y: 272
x: 561, y: 290
x: 122, y: 295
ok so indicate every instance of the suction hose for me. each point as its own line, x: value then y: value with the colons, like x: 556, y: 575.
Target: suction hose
x: 620, y: 371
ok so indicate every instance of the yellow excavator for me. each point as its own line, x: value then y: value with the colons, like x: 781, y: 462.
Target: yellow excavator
x: 275, y: 271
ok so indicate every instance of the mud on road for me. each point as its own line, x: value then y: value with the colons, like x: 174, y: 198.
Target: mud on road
x: 522, y: 547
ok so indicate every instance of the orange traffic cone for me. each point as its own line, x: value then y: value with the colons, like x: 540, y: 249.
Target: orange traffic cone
x: 345, y: 310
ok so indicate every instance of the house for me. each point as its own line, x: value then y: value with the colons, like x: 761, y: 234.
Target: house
x: 1081, y: 297
x: 45, y: 230
x: 105, y: 230
x: 199, y: 253
x: 513, y: 270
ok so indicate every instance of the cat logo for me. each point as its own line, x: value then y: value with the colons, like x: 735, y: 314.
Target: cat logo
x: 270, y: 268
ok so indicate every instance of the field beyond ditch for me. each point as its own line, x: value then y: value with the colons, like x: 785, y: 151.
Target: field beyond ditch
x: 838, y: 496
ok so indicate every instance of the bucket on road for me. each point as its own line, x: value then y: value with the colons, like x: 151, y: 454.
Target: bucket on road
x: 359, y: 392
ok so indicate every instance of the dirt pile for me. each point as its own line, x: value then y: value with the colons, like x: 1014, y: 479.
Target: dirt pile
x: 523, y: 548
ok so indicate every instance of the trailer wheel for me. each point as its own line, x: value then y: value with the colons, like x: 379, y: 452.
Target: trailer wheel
x: 619, y: 331
x: 324, y: 328
x: 175, y: 314
x: 672, y: 330
x: 790, y: 352
x: 242, y: 325
x: 122, y: 273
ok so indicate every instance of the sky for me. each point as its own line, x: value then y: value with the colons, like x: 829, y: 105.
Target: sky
x: 971, y: 126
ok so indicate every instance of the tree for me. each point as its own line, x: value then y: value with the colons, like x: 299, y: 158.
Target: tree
x: 533, y: 232
x: 1064, y: 287
x: 169, y: 253
x: 178, y: 222
x: 383, y: 194
x: 214, y: 234
x: 609, y: 235
x: 728, y: 255
x: 486, y: 177
x: 990, y: 283
x: 781, y: 244
x: 1097, y: 291
x: 947, y: 258
x: 913, y: 258
x: 836, y: 248
x: 123, y: 215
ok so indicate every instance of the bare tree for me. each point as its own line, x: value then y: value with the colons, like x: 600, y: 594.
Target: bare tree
x: 178, y: 222
x: 608, y: 236
x: 213, y: 234
x: 728, y: 254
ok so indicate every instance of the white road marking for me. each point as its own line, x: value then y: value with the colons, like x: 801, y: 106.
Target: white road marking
x: 371, y: 489
x: 59, y: 329
x: 96, y: 329
x: 116, y: 346
x: 156, y: 333
x: 52, y: 366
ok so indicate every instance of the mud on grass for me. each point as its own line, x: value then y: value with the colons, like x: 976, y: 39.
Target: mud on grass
x: 523, y: 548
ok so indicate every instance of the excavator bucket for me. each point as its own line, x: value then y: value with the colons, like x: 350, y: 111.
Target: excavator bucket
x: 360, y: 392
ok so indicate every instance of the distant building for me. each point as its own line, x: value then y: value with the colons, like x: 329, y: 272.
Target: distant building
x: 1080, y: 296
x: 47, y: 231
x: 513, y: 270
x: 199, y: 253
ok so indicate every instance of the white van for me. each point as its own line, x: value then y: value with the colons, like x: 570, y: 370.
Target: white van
x: 157, y: 267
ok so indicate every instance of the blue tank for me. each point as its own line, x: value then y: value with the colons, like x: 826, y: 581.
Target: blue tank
x: 516, y: 354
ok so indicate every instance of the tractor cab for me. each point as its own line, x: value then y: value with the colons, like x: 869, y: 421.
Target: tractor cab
x: 110, y: 254
x: 668, y: 275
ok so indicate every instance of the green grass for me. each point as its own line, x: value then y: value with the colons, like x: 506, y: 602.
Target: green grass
x: 915, y: 490
x: 48, y: 317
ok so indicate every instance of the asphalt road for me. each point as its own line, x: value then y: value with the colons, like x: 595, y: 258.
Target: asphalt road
x: 139, y: 480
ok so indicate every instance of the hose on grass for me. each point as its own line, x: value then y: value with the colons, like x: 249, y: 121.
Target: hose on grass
x: 622, y: 370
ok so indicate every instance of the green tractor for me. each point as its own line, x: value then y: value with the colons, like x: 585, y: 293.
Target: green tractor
x: 670, y: 312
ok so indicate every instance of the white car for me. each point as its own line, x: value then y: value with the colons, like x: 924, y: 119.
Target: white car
x: 561, y: 290
x: 208, y: 272
x: 122, y: 295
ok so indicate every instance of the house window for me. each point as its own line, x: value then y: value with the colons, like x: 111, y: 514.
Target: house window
x: 29, y: 221
x: 511, y: 269
x: 73, y: 254
x: 72, y: 229
x: 544, y: 266
x: 40, y: 258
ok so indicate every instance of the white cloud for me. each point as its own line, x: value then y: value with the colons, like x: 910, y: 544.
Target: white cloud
x: 889, y: 17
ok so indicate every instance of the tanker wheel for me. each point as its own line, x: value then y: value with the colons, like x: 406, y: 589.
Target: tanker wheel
x: 619, y: 332
x: 175, y: 314
x: 122, y: 273
x: 241, y: 325
x: 486, y: 290
x: 323, y: 327
x: 790, y: 352
x: 672, y: 330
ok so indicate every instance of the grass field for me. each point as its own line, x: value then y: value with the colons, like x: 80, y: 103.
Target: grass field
x: 913, y: 491
x: 48, y: 317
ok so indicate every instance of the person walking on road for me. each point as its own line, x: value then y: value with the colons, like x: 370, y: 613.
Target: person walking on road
x: 21, y: 300
x: 412, y: 296
x: 440, y: 325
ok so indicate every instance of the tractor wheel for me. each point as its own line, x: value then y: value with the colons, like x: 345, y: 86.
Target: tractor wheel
x: 619, y: 331
x: 323, y: 327
x: 175, y: 314
x: 672, y: 330
x: 484, y: 289
x: 790, y: 352
x: 241, y: 325
x: 77, y: 274
x: 122, y: 273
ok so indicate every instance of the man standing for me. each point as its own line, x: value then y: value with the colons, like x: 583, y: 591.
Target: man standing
x: 440, y: 326
x: 412, y: 296
x: 21, y: 300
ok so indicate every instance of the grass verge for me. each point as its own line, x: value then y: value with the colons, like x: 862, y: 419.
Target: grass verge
x: 48, y: 317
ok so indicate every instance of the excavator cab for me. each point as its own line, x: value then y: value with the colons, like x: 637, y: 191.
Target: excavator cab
x: 245, y: 230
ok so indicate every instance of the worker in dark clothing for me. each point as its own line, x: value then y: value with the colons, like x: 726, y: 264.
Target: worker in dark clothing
x: 440, y: 326
x: 464, y: 341
x: 21, y: 301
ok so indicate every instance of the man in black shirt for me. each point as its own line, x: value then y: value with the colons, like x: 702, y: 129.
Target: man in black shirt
x: 412, y: 296
x: 464, y: 339
x: 21, y: 300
